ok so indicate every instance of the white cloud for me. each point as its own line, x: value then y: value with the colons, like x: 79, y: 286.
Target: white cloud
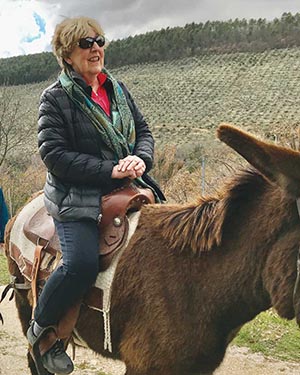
x: 19, y: 31
x: 121, y: 18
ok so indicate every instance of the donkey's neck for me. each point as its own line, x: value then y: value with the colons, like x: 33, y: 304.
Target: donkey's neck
x: 238, y: 248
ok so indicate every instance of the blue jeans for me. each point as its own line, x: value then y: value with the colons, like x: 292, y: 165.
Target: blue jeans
x: 68, y: 283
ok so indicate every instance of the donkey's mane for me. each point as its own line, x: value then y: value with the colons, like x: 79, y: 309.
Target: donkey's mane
x: 200, y: 225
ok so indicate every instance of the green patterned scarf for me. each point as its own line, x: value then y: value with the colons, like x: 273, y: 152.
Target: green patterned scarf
x: 117, y: 133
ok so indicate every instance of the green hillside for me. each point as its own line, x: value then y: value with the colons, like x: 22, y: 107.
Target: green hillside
x: 185, y: 100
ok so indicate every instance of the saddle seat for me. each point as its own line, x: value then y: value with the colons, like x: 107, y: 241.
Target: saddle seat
x: 113, y: 223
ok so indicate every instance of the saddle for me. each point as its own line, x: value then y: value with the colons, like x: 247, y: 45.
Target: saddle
x: 113, y: 223
x: 113, y: 228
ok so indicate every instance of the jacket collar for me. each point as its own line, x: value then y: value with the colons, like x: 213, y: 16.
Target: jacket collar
x: 81, y: 82
x: 78, y: 79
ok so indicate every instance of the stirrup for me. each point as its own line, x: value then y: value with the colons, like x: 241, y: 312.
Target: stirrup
x: 35, y: 350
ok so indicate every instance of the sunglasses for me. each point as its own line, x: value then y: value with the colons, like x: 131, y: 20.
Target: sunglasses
x: 88, y: 42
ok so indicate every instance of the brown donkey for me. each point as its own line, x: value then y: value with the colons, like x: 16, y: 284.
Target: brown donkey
x: 193, y: 274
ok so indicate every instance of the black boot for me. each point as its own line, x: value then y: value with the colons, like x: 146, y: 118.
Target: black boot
x: 48, y: 352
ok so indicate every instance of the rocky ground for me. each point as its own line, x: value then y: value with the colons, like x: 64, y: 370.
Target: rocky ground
x: 238, y: 361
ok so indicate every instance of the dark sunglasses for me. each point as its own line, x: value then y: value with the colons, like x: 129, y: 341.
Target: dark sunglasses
x: 88, y: 42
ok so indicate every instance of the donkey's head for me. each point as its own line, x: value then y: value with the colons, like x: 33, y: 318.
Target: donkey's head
x: 281, y: 166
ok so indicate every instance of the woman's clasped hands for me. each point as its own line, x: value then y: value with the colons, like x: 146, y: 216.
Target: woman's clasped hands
x: 132, y: 167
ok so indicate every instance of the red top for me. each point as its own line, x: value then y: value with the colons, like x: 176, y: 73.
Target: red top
x: 101, y: 97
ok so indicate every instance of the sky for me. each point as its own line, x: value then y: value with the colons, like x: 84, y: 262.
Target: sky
x: 26, y: 26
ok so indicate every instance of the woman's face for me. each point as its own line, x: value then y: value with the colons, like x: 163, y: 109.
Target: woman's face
x: 87, y: 62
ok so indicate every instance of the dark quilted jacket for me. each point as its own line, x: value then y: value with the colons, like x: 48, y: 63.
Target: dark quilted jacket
x: 79, y: 164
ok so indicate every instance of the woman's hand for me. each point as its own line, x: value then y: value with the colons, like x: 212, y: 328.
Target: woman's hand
x: 132, y: 163
x: 116, y: 173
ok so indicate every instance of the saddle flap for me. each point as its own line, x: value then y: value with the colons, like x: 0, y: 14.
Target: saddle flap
x: 114, y: 234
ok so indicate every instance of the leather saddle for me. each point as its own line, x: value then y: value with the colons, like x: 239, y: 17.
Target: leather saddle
x: 113, y: 223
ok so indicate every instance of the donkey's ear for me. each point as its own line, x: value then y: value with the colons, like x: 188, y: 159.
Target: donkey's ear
x: 278, y: 164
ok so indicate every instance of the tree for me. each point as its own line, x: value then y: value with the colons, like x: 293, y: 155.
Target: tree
x: 15, y: 123
x: 21, y: 170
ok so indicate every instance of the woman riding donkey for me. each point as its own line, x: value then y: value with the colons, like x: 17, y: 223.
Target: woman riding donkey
x: 92, y: 138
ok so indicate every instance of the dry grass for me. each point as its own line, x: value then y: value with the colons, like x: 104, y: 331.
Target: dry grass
x: 4, y: 275
x: 19, y: 183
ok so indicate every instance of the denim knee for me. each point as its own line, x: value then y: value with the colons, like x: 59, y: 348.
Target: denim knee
x: 80, y: 248
x: 84, y: 270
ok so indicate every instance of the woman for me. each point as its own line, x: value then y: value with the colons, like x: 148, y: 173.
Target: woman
x: 92, y: 138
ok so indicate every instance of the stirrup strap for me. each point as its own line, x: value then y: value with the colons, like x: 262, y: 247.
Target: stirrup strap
x: 34, y: 274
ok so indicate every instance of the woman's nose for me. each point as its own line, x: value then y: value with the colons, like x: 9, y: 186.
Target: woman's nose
x: 95, y: 46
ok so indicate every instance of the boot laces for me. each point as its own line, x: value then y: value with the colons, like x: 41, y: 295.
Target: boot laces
x: 58, y: 348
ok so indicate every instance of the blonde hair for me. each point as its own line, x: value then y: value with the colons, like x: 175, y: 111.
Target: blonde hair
x: 68, y: 32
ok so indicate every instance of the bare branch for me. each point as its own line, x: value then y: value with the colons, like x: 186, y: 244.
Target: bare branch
x: 15, y: 123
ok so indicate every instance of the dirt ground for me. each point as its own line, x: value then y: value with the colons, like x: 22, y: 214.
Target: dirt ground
x: 238, y: 361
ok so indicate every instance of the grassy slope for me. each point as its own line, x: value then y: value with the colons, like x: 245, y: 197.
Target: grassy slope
x: 185, y: 100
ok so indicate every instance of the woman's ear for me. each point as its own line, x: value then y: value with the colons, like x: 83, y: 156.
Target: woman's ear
x: 68, y: 60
